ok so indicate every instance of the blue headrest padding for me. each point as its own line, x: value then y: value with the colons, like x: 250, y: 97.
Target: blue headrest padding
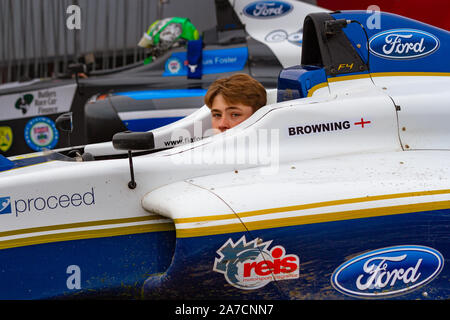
x: 295, y: 82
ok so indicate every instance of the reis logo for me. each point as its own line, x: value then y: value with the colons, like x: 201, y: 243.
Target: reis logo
x: 252, y: 265
x: 400, y: 44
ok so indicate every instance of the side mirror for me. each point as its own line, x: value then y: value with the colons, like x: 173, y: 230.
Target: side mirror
x: 133, y: 141
x: 129, y: 140
x: 64, y: 122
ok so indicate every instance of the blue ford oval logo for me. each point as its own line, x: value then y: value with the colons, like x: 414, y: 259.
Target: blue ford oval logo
x: 403, y: 44
x: 387, y: 272
x: 267, y: 9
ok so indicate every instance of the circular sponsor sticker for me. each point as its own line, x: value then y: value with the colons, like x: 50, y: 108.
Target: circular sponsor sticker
x: 276, y: 36
x: 6, y: 138
x: 173, y: 65
x: 41, y: 133
x: 296, y: 38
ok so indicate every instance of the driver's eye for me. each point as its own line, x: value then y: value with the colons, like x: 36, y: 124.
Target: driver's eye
x: 235, y: 115
x: 216, y: 115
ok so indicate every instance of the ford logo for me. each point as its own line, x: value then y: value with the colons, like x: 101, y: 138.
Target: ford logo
x: 388, y: 272
x: 403, y: 44
x: 267, y: 9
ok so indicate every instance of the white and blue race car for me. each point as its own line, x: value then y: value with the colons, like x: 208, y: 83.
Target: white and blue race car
x: 338, y: 188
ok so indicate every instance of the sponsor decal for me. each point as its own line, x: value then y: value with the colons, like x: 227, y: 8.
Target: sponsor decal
x: 46, y: 203
x: 24, y: 102
x: 6, y: 138
x: 252, y: 265
x: 387, y: 272
x: 181, y: 140
x: 276, y: 36
x: 213, y: 61
x: 296, y: 37
x: 321, y: 127
x: 41, y: 133
x: 267, y: 9
x: 5, y: 205
x: 398, y: 44
x: 362, y: 123
x: 45, y: 101
x: 345, y: 66
x: 173, y: 65
x: 325, y: 127
x: 37, y: 102
x: 281, y: 35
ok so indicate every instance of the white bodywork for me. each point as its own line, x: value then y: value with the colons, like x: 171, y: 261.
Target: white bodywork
x: 255, y: 174
x: 279, y: 33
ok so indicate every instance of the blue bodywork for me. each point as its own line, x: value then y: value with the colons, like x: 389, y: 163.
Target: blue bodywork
x: 5, y: 164
x: 295, y: 82
x: 113, y: 266
x: 409, y: 47
x: 435, y: 61
x: 163, y: 94
x: 146, y: 124
x: 142, y: 125
x: 321, y: 247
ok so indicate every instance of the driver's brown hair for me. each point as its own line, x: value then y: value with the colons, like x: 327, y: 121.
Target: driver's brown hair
x: 238, y: 88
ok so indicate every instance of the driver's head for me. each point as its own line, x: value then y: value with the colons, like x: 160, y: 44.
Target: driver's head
x: 234, y: 99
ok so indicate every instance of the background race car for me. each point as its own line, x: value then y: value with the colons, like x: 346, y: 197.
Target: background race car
x: 171, y: 80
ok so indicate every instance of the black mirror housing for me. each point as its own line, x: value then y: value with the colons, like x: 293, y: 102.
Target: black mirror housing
x: 64, y: 122
x: 129, y: 140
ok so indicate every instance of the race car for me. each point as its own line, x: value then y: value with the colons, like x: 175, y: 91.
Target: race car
x: 254, y: 37
x: 338, y: 188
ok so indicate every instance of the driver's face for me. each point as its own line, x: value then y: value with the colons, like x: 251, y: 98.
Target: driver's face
x: 226, y: 116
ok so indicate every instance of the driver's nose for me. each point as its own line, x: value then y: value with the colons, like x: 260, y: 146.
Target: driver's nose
x: 224, y: 124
